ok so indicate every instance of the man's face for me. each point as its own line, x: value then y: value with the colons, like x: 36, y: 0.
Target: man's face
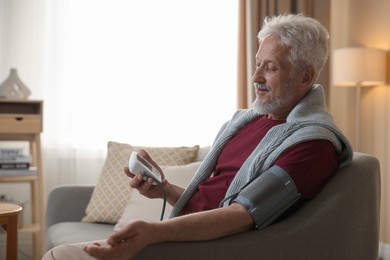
x: 276, y: 90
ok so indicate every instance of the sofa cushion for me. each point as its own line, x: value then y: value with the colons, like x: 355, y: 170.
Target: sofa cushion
x: 140, y: 207
x: 112, y: 192
x: 76, y: 232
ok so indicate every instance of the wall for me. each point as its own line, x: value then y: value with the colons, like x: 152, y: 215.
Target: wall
x: 365, y: 23
x: 18, y: 45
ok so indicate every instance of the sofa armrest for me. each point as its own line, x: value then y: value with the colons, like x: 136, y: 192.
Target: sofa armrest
x: 67, y: 203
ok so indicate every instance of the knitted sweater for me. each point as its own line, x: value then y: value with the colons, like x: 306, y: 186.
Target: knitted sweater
x: 309, y: 120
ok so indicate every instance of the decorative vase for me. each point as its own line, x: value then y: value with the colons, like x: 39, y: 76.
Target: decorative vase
x: 13, y: 87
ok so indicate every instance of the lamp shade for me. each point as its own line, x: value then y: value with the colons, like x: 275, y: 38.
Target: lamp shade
x: 359, y: 67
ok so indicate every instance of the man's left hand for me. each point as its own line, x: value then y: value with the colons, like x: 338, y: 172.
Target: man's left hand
x: 123, y: 244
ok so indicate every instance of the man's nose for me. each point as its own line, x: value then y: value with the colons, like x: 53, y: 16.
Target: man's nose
x: 258, y: 75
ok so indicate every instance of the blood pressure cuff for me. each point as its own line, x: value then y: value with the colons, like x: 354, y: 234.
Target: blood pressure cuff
x: 268, y: 196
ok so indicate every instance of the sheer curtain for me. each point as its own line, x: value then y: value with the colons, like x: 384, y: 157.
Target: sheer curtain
x: 152, y: 73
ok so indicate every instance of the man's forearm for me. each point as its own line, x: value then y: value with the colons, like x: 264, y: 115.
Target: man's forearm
x: 173, y: 193
x: 204, y: 225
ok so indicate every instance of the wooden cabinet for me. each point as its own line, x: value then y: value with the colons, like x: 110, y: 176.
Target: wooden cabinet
x: 21, y: 120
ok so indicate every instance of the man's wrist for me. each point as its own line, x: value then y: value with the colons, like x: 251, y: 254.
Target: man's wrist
x: 156, y: 232
x: 173, y: 193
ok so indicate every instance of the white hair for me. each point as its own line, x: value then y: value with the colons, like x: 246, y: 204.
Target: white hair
x: 307, y: 39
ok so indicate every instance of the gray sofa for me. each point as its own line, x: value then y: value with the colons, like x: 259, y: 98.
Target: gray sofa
x: 342, y: 222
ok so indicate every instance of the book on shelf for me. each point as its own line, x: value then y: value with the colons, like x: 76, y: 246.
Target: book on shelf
x: 15, y: 159
x: 14, y: 166
x: 11, y: 151
x: 18, y: 172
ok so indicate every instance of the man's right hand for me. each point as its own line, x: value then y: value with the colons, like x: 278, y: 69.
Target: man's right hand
x: 147, y: 189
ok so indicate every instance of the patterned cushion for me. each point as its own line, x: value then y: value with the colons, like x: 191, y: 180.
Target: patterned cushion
x: 112, y: 192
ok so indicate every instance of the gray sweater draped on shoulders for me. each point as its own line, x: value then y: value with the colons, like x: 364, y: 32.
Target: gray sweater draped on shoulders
x: 309, y: 120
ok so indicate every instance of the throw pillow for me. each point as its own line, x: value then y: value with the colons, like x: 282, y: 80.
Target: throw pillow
x: 140, y: 207
x: 112, y: 192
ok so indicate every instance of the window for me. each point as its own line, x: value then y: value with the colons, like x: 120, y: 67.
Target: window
x: 150, y: 72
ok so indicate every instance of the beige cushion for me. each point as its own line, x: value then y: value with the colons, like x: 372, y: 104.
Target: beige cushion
x: 140, y: 207
x: 112, y: 192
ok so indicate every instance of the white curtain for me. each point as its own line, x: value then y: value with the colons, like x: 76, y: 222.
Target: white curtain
x: 151, y: 72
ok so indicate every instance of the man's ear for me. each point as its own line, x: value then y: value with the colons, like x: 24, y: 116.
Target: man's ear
x: 307, y: 76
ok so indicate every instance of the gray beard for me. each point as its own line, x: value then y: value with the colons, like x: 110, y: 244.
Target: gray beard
x: 264, y: 109
x: 275, y: 105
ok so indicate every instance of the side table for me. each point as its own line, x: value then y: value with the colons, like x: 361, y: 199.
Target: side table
x: 9, y: 221
x: 21, y: 121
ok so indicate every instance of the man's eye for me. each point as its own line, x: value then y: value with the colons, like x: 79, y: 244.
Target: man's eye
x: 272, y: 68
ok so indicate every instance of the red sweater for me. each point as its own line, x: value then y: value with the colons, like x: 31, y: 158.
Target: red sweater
x: 310, y: 164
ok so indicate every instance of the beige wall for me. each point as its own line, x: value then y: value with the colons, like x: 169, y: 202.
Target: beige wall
x: 365, y: 23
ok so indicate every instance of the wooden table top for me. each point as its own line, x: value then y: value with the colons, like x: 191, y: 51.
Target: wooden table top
x: 9, y: 209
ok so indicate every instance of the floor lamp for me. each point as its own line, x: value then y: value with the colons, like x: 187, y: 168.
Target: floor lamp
x: 358, y: 67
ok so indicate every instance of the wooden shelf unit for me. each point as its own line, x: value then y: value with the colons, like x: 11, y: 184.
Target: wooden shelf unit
x: 22, y: 120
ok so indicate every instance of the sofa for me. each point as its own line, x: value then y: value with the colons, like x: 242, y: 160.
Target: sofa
x: 341, y: 222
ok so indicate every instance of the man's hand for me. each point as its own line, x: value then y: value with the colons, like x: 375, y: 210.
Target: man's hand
x: 125, y: 243
x: 147, y: 189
